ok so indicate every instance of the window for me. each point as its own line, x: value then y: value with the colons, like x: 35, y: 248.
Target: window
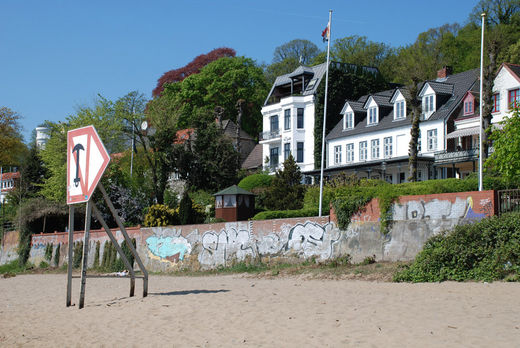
x: 514, y: 98
x: 350, y: 152
x: 468, y: 107
x: 419, y: 145
x: 428, y: 104
x: 372, y: 115
x: 374, y: 145
x: 388, y: 147
x: 349, y: 120
x: 299, y: 152
x: 299, y: 118
x: 496, y: 103
x: 432, y: 140
x: 399, y: 110
x: 286, y: 150
x: 363, y: 150
x: 230, y: 201
x: 274, y: 157
x: 274, y: 123
x: 287, y: 119
x: 337, y: 154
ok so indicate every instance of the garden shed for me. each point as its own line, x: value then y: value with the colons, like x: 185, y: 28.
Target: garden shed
x: 234, y: 204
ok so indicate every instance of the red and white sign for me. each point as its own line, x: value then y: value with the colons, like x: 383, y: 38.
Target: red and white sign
x: 87, y: 160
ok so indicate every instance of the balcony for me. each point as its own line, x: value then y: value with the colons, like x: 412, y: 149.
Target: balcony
x: 271, y: 135
x: 448, y: 157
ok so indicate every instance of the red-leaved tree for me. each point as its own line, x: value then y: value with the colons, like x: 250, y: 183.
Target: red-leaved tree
x: 192, y: 67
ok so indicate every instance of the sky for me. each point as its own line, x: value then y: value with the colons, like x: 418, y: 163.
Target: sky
x: 56, y: 55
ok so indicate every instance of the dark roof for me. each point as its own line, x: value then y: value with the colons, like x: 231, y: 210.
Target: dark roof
x: 318, y: 72
x: 441, y: 87
x: 234, y: 190
x: 460, y: 84
x: 514, y: 68
x: 230, y: 129
x: 254, y: 160
x: 356, y: 107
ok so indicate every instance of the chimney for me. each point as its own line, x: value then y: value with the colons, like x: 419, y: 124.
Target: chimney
x: 444, y: 72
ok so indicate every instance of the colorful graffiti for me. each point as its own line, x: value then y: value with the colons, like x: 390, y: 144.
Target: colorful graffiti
x: 169, y: 248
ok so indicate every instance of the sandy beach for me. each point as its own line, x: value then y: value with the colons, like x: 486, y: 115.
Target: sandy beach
x: 225, y: 311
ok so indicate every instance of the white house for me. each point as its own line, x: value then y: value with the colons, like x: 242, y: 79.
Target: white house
x: 373, y: 138
x: 288, y: 118
x: 7, y: 184
x: 462, y: 144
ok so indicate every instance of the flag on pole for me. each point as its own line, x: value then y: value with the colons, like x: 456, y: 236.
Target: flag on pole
x: 325, y: 34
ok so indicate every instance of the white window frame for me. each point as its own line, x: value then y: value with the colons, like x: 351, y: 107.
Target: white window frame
x: 432, y: 139
x: 428, y: 104
x: 372, y: 115
x: 350, y: 152
x: 363, y: 150
x: 337, y: 154
x: 348, y: 121
x: 388, y: 147
x: 374, y: 148
x: 399, y: 110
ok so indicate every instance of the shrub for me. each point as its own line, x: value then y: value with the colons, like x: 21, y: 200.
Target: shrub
x: 57, y: 256
x: 255, y: 181
x: 48, y: 252
x: 43, y: 264
x: 487, y: 250
x: 282, y: 214
x: 286, y: 190
x: 161, y: 215
x: 77, y: 254
x: 96, y: 254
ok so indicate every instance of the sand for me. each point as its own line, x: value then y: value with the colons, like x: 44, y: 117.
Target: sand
x: 229, y: 311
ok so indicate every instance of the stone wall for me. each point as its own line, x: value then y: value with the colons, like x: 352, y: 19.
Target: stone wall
x: 8, y: 248
x: 415, y: 219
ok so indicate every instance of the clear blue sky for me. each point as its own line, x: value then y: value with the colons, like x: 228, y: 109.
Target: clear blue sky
x: 58, y: 54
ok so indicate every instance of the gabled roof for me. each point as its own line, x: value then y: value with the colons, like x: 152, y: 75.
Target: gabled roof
x: 233, y: 190
x: 356, y: 107
x: 514, y: 69
x: 403, y: 90
x: 230, y: 129
x: 460, y: 84
x: 302, y: 70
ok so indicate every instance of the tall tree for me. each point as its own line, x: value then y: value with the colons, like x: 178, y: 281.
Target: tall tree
x: 359, y: 50
x: 192, y: 67
x: 498, y: 11
x: 286, y: 190
x: 11, y: 144
x: 221, y: 83
x: 290, y: 55
x: 414, y: 104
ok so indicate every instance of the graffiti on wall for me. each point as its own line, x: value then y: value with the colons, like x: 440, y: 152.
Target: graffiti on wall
x: 236, y: 241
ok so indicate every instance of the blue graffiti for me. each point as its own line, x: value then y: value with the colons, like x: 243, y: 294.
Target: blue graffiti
x: 165, y: 247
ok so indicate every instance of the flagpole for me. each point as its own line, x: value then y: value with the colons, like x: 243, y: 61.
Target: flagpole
x: 481, y: 131
x: 325, y: 114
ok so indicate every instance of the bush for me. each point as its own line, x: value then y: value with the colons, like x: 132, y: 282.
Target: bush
x: 487, y: 250
x: 77, y: 254
x: 185, y: 209
x: 57, y: 256
x: 161, y: 215
x: 43, y: 264
x: 48, y: 252
x: 255, y: 181
x: 96, y: 254
x: 282, y: 214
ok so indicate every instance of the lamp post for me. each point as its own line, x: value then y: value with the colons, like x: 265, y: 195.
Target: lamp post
x: 481, y: 131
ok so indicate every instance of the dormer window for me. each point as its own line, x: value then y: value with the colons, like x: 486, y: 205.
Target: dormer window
x: 348, y: 120
x: 399, y: 110
x: 428, y: 104
x: 372, y: 115
x: 469, y: 104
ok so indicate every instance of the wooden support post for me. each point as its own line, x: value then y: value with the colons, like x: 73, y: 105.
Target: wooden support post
x: 84, y: 263
x: 130, y: 267
x: 69, y: 262
x: 127, y: 238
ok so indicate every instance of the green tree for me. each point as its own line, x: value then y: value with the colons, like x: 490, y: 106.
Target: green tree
x: 286, y: 191
x: 498, y: 11
x: 186, y: 209
x: 505, y: 160
x: 221, y: 83
x: 11, y: 144
x: 289, y: 56
x: 359, y: 50
x: 209, y: 162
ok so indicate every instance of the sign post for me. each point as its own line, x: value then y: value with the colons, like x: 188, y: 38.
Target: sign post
x: 87, y: 160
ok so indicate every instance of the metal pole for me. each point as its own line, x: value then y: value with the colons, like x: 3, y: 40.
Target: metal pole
x: 325, y: 113
x: 481, y: 133
x: 133, y: 144
x: 69, y: 264
x: 84, y: 263
x: 127, y: 238
x: 130, y: 267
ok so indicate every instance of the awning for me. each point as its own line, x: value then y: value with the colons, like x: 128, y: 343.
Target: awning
x: 464, y: 132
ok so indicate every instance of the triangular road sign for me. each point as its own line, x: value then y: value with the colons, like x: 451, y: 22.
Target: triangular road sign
x: 87, y: 160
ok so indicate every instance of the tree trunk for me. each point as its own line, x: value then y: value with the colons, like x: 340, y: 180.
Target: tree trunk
x: 239, y: 105
x: 487, y: 97
x: 415, y: 106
